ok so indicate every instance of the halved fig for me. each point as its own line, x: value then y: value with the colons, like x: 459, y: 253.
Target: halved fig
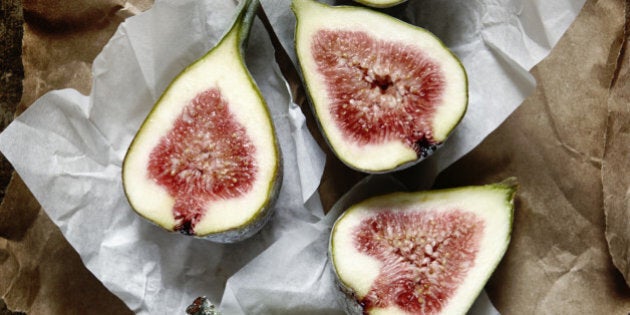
x: 380, y: 3
x: 421, y: 253
x: 206, y: 161
x: 385, y: 93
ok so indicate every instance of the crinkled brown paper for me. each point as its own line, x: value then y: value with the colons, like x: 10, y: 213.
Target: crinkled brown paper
x: 568, y: 144
x: 616, y: 160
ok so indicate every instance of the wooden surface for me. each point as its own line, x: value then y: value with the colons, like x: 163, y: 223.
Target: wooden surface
x: 11, y: 76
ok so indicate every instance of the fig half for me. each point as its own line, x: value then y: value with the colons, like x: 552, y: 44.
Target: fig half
x: 421, y: 253
x: 380, y: 3
x: 385, y: 93
x: 206, y: 161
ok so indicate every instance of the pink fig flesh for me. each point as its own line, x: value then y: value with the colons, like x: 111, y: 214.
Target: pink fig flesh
x: 196, y: 163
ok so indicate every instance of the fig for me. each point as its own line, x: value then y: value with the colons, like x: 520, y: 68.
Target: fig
x: 206, y: 162
x: 421, y: 252
x: 380, y: 3
x: 385, y: 93
x: 202, y: 306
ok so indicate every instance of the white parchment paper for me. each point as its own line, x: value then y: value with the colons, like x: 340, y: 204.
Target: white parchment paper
x: 69, y: 148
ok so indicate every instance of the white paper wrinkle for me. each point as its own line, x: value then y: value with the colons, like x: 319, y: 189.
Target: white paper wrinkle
x: 68, y: 148
x: 307, y: 151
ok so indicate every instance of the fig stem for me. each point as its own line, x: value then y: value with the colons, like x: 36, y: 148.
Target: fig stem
x: 246, y: 11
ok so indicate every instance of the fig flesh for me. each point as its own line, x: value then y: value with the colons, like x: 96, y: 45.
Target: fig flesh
x: 421, y: 253
x: 205, y: 161
x: 385, y: 93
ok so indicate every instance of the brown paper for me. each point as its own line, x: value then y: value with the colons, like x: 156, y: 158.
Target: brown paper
x: 62, y: 38
x: 616, y: 162
x: 558, y: 261
x: 41, y: 273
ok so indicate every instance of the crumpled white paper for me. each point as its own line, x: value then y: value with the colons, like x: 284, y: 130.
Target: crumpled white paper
x: 68, y: 148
